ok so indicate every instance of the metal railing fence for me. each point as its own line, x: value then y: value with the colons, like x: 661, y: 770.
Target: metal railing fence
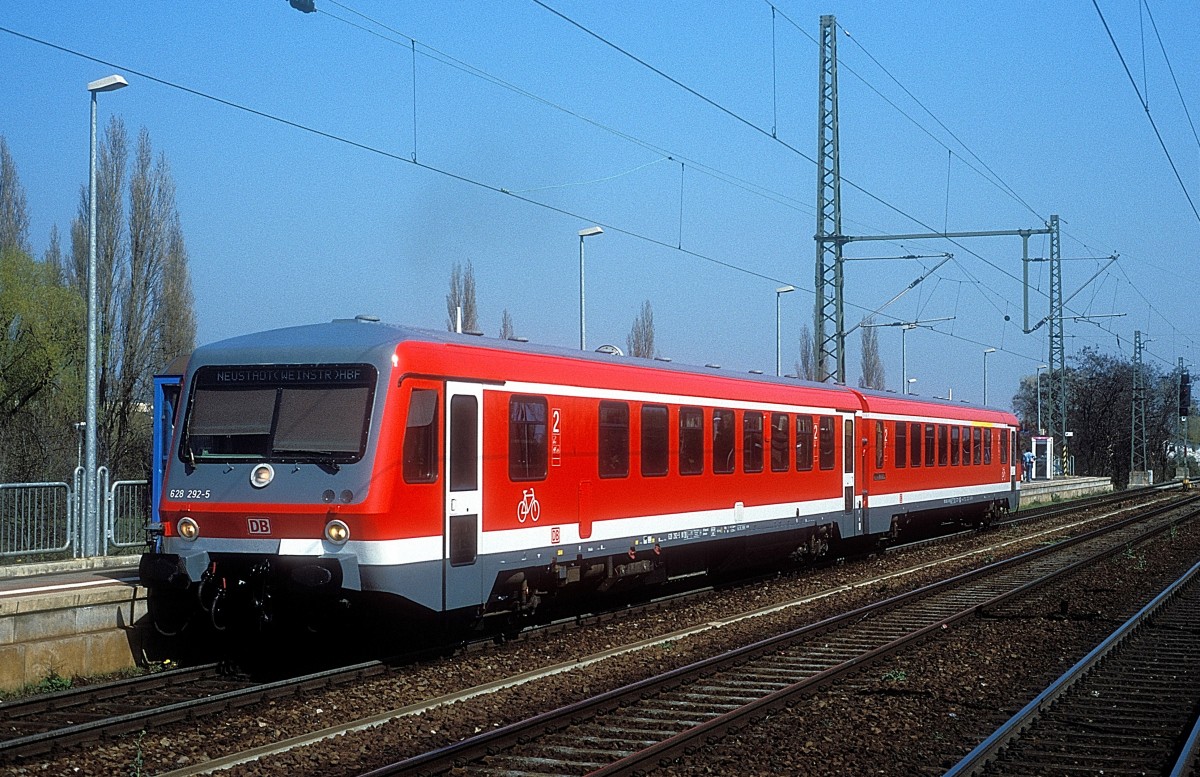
x: 36, y: 518
x: 126, y: 513
x: 39, y: 521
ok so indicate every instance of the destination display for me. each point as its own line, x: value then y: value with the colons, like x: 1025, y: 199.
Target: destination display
x: 290, y: 374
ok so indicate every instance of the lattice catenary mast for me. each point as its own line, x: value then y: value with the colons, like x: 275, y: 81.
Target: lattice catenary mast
x: 1137, y: 445
x: 829, y: 330
x: 829, y: 335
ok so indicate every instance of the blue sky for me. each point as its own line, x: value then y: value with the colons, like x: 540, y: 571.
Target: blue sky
x: 286, y: 226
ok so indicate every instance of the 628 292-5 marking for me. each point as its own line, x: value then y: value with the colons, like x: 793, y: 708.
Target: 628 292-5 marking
x: 190, y: 493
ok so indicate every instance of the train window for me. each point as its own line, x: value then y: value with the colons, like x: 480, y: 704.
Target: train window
x: 527, y: 438
x: 752, y: 442
x: 420, y: 437
x: 827, y: 441
x: 320, y: 421
x: 691, y: 441
x: 1003, y: 446
x: 804, y: 443
x: 613, y: 449
x: 848, y: 445
x: 464, y: 443
x: 930, y: 444
x: 943, y: 444
x: 781, y: 442
x: 914, y: 444
x: 966, y: 435
x: 879, y: 443
x: 901, y: 444
x: 317, y: 413
x: 723, y: 442
x: 977, y: 446
x: 987, y: 446
x: 655, y: 442
x: 955, y: 445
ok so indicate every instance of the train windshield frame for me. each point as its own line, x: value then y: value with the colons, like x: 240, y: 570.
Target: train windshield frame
x: 319, y: 413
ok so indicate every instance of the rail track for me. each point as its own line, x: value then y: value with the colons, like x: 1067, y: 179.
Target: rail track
x: 54, y: 721
x: 1125, y: 708
x: 634, y: 729
x: 40, y: 724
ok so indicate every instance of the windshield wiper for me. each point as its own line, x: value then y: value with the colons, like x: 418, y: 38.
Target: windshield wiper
x: 321, y: 458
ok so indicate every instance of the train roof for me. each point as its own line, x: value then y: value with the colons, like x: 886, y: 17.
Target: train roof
x: 898, y: 404
x: 365, y: 338
x: 357, y: 338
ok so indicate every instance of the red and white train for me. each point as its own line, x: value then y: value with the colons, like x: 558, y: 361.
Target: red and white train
x: 355, y: 461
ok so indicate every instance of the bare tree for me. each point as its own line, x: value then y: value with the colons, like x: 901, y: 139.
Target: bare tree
x: 640, y: 341
x: 462, y: 295
x: 175, y: 318
x: 112, y: 156
x: 806, y: 368
x: 872, y: 364
x: 14, y: 218
x: 507, y: 330
x: 144, y: 288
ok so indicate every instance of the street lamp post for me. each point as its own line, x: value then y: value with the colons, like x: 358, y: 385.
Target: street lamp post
x: 985, y: 355
x: 904, y: 327
x: 582, y: 316
x: 92, y: 531
x: 1040, y: 367
x: 904, y: 354
x: 779, y: 293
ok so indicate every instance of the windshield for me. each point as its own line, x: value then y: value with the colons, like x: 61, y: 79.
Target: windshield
x: 308, y: 412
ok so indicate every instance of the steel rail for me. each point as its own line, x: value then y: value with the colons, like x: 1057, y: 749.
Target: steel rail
x: 44, y: 741
x: 532, y: 729
x: 1087, y: 670
x: 65, y: 700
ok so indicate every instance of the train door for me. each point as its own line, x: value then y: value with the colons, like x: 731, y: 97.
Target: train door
x: 462, y: 578
x: 1012, y: 458
x: 850, y: 449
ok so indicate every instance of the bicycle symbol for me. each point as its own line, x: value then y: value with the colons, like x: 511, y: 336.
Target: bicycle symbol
x: 528, y: 507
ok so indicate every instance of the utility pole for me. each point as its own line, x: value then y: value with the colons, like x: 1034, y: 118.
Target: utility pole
x: 1185, y: 401
x: 1058, y: 351
x: 829, y: 331
x: 1137, y: 443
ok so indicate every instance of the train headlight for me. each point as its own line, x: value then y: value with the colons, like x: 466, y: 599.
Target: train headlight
x: 337, y: 532
x: 188, y: 529
x: 262, y: 475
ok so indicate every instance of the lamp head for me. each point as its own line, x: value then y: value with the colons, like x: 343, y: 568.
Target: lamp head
x: 108, y: 84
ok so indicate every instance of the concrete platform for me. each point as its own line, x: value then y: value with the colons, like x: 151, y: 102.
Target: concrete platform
x: 1041, y: 491
x: 69, y: 618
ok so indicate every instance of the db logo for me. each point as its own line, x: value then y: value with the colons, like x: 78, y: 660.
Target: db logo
x: 258, y: 525
x: 555, y: 536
